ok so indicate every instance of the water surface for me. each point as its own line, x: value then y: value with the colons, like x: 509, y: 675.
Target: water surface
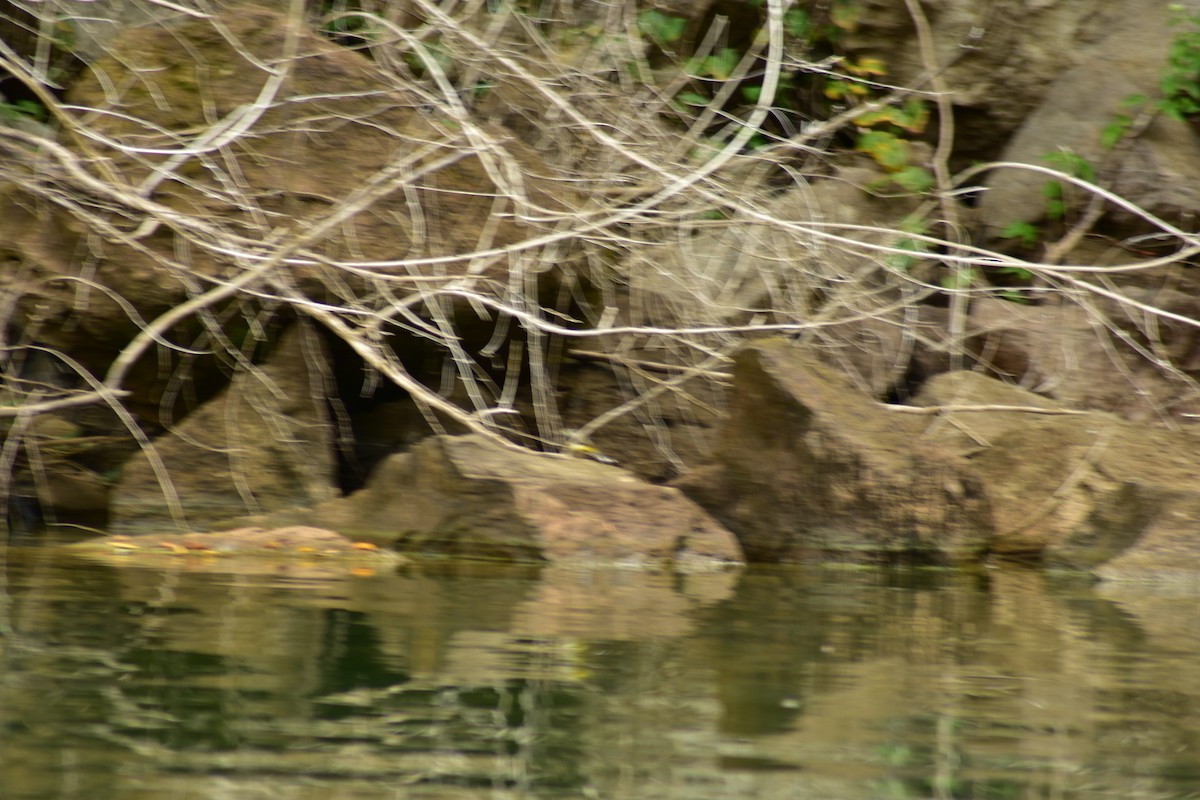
x: 469, y: 681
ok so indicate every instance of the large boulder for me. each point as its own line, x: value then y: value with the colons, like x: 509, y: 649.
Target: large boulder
x: 810, y: 468
x: 337, y: 125
x: 264, y: 443
x: 1080, y: 355
x: 1082, y: 490
x: 997, y: 57
x: 1161, y: 170
x: 468, y: 496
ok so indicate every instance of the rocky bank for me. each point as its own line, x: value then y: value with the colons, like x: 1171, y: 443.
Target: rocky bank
x: 400, y: 285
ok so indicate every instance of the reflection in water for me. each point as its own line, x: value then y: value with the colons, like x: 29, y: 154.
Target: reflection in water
x: 470, y: 681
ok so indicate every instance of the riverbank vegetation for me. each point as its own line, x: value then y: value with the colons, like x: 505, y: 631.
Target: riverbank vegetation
x: 552, y: 224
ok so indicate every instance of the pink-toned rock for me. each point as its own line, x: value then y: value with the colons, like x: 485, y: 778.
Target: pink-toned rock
x: 297, y: 551
x: 465, y: 495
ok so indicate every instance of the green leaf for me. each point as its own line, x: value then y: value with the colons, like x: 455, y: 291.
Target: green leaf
x: 914, y: 179
x: 752, y: 93
x: 961, y: 278
x: 1027, y: 232
x: 1020, y: 273
x: 914, y: 115
x: 692, y: 99
x: 888, y: 150
x: 835, y: 89
x: 1072, y: 163
x: 845, y: 14
x: 722, y: 64
x: 864, y: 67
x: 1114, y: 131
x: 661, y: 28
x: 1180, y: 80
x: 797, y: 23
x: 902, y: 262
x: 914, y: 223
x: 756, y: 141
x: 911, y: 117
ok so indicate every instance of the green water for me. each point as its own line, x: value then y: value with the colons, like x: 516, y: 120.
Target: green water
x: 471, y: 682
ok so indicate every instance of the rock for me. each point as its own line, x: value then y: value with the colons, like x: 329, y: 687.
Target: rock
x: 673, y: 433
x: 809, y: 468
x: 297, y: 551
x: 1084, y: 491
x: 1166, y: 547
x: 619, y: 605
x: 1073, y: 354
x: 337, y: 123
x: 263, y: 444
x: 885, y: 339
x: 1161, y: 172
x: 753, y: 268
x: 996, y: 56
x: 466, y: 496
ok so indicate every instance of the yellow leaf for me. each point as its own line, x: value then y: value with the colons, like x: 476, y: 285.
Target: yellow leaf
x: 866, y: 66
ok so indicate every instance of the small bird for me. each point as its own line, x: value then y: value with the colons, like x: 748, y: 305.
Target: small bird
x: 587, y: 451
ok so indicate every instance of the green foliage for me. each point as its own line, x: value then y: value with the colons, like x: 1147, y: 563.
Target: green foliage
x: 897, y: 755
x: 1180, y: 82
x: 434, y: 52
x: 919, y: 247
x: 1020, y: 273
x: 845, y: 14
x: 720, y: 65
x: 1070, y: 162
x: 837, y: 89
x: 912, y: 116
x: 756, y: 141
x: 346, y: 24
x: 1027, y: 232
x: 914, y: 179
x: 960, y: 278
x: 346, y: 18
x: 1115, y: 130
x: 692, y: 99
x: 1056, y: 206
x: 848, y: 88
x: 22, y: 109
x: 882, y: 132
x: 660, y: 28
x: 798, y: 24
x: 888, y: 149
x: 65, y: 35
x: 1073, y: 164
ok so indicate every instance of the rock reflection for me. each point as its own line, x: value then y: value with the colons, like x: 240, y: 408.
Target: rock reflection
x: 478, y: 681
